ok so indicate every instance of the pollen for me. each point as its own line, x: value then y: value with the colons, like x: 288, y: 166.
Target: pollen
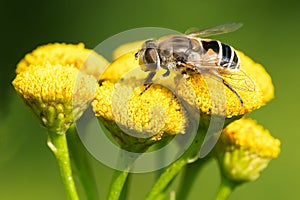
x: 247, y: 134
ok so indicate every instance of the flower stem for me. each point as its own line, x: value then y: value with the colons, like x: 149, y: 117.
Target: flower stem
x: 225, y: 189
x: 81, y: 163
x: 58, y: 144
x: 118, y: 182
x: 190, y: 173
x: 118, y: 187
x: 171, y: 171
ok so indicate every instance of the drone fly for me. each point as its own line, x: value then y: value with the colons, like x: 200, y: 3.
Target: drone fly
x: 190, y: 51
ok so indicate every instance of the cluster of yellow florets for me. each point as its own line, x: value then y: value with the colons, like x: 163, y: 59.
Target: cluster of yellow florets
x: 49, y: 78
x: 245, y: 148
x: 155, y: 111
x: 246, y: 133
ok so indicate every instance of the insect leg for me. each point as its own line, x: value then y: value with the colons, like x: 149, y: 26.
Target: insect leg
x: 149, y: 78
x: 166, y: 74
x: 148, y: 82
x: 148, y: 85
x: 233, y: 90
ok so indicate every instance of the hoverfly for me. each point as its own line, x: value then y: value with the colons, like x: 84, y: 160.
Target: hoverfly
x: 190, y: 52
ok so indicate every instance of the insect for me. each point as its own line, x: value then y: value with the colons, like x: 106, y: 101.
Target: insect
x: 190, y: 52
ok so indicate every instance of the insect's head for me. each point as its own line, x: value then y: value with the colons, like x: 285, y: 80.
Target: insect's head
x: 149, y: 57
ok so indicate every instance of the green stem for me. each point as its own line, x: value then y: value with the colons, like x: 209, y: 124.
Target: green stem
x: 126, y: 187
x: 81, y: 164
x: 190, y: 173
x: 171, y: 171
x: 225, y: 189
x: 120, y: 177
x: 58, y: 144
x: 118, y: 182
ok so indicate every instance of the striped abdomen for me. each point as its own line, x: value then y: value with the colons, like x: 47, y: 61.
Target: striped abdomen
x: 226, y: 55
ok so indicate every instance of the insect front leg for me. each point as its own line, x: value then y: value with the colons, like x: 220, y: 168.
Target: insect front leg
x: 148, y: 82
x: 149, y: 78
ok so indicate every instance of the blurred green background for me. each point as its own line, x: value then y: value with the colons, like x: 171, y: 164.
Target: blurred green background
x: 270, y: 35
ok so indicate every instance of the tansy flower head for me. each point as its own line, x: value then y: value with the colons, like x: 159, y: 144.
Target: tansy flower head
x: 49, y: 90
x: 154, y: 117
x: 156, y: 102
x: 245, y: 149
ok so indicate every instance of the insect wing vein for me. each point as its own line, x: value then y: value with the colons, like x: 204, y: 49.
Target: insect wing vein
x: 217, y: 30
x: 239, y: 80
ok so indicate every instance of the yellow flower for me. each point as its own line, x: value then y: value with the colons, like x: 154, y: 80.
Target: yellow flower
x: 245, y: 149
x: 49, y: 90
x: 64, y: 54
x: 155, y: 111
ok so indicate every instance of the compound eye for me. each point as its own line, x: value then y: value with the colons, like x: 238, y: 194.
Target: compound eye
x: 151, y: 55
x: 151, y: 59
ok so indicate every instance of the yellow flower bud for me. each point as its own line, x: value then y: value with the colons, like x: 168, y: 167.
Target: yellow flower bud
x: 245, y: 149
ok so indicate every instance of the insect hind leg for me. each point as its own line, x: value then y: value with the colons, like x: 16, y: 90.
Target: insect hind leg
x: 234, y: 91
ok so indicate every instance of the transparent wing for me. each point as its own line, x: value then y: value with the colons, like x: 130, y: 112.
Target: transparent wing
x: 217, y: 30
x: 239, y: 80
